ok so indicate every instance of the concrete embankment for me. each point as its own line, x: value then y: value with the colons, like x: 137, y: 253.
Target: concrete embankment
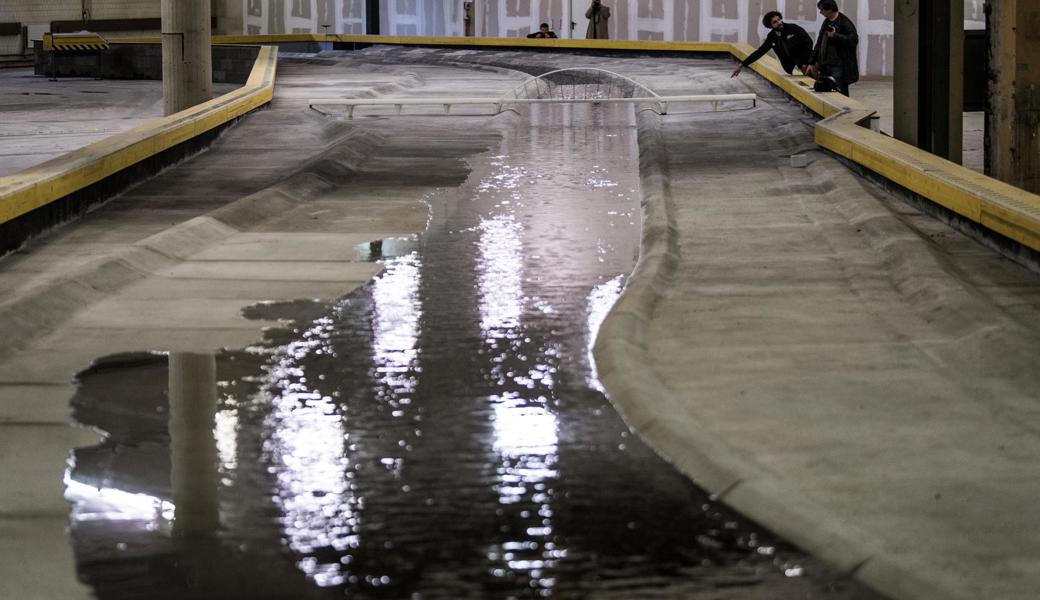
x: 829, y: 361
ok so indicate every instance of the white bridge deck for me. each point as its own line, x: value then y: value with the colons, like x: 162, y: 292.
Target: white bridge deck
x: 399, y: 103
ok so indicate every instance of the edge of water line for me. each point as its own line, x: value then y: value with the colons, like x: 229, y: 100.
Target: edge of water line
x: 712, y: 461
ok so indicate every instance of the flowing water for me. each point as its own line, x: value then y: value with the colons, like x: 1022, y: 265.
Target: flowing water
x: 439, y: 433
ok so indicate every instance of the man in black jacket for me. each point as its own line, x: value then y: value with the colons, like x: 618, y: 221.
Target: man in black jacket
x: 834, y: 63
x: 792, y: 44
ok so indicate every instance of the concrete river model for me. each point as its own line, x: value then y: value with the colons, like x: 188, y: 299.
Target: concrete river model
x: 437, y: 433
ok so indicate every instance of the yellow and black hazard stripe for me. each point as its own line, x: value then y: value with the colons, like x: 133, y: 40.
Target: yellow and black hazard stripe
x: 64, y: 42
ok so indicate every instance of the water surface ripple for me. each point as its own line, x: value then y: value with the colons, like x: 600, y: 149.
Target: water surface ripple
x: 439, y: 433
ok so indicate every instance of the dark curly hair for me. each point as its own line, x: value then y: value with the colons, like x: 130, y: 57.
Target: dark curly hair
x: 767, y: 19
x: 827, y: 5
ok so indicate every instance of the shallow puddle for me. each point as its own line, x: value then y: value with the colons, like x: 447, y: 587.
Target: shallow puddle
x: 439, y: 433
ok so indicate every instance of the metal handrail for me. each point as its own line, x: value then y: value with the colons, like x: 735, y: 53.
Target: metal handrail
x: 597, y: 69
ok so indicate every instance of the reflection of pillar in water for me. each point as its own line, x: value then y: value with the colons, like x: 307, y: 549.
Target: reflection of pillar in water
x: 193, y: 449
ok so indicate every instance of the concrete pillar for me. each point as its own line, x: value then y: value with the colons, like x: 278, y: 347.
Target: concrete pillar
x: 187, y: 58
x: 904, y: 84
x: 1012, y: 143
x: 568, y: 17
x: 372, y: 17
x: 193, y: 449
x: 928, y: 91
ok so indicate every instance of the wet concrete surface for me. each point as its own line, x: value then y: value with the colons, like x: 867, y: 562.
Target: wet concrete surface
x: 439, y: 433
x: 920, y: 341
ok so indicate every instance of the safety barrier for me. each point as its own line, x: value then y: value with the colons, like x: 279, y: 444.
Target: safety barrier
x: 64, y: 42
x: 73, y: 42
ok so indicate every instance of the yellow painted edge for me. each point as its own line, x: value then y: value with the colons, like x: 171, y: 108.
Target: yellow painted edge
x: 42, y: 184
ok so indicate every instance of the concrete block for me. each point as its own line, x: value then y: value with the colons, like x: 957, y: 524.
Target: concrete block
x: 188, y: 237
x: 800, y: 161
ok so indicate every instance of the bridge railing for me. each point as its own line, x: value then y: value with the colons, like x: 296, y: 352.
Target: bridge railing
x: 499, y: 104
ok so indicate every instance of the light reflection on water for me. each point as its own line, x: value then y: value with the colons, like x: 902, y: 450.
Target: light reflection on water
x: 530, y: 201
x: 308, y: 453
x: 442, y: 430
x: 600, y: 300
x: 395, y: 295
x: 500, y: 270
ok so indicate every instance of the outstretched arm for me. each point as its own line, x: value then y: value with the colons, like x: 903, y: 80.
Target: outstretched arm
x: 757, y: 54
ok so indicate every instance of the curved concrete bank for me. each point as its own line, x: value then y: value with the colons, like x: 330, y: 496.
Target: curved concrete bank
x: 849, y: 372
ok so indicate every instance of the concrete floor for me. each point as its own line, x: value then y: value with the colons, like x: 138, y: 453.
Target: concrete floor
x: 42, y: 119
x: 878, y: 95
x: 859, y: 377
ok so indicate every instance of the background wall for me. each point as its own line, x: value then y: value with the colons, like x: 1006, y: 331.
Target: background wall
x: 38, y: 14
x: 679, y: 20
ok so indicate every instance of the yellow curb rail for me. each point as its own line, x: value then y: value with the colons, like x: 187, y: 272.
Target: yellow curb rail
x: 1000, y: 207
x: 997, y: 206
x: 42, y: 184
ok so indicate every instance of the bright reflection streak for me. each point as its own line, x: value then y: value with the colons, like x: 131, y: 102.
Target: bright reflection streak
x: 110, y: 504
x: 500, y: 265
x: 600, y: 300
x: 308, y: 453
x: 309, y: 444
x: 395, y: 298
x: 226, y: 432
x: 525, y: 429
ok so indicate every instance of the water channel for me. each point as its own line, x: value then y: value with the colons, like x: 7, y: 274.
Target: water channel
x: 439, y: 433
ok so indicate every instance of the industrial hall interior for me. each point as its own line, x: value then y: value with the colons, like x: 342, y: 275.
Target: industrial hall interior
x: 514, y: 299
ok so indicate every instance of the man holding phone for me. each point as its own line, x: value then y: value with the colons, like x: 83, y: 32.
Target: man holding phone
x: 834, y: 63
x: 597, y: 14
